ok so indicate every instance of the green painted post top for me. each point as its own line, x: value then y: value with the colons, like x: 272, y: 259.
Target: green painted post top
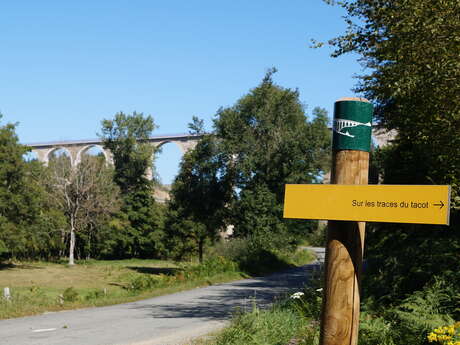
x: 352, y: 126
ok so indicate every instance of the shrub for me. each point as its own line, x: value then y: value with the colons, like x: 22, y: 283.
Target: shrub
x: 317, y: 237
x: 375, y: 330
x: 251, y: 256
x: 409, y: 321
x: 209, y: 267
x: 141, y: 283
x: 95, y: 294
x: 70, y: 295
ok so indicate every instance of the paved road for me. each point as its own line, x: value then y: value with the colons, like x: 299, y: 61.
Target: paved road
x: 164, y: 320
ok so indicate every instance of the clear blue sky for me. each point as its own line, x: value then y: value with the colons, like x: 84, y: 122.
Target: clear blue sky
x: 66, y: 65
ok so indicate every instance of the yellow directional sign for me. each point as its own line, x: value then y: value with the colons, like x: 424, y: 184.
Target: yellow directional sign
x: 372, y: 203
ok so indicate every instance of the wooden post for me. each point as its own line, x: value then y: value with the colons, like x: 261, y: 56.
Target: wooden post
x: 345, y: 240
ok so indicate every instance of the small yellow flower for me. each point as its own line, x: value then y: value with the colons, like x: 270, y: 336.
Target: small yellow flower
x: 432, y: 337
x: 445, y: 335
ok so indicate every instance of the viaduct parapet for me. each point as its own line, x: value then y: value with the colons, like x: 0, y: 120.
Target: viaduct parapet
x: 77, y: 148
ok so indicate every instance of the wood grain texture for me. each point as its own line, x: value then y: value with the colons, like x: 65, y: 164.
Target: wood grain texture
x: 344, y: 255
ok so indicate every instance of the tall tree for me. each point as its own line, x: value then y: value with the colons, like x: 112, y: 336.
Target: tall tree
x: 125, y: 136
x: 28, y: 223
x: 196, y: 126
x: 199, y: 197
x: 272, y: 143
x: 86, y: 194
x: 411, y: 50
x: 19, y: 200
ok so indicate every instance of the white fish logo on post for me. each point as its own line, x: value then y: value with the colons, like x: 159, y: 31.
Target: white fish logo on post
x: 340, y: 126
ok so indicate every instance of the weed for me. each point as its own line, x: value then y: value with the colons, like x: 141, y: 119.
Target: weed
x: 142, y: 283
x: 95, y: 294
x: 70, y: 295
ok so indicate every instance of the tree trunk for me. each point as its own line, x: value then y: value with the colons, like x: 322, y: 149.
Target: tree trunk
x: 72, y: 245
x: 200, y: 249
x: 62, y: 247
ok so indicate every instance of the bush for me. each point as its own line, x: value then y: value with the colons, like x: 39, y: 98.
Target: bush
x: 375, y: 330
x: 70, y: 295
x: 317, y: 237
x: 96, y: 294
x: 210, y: 267
x: 141, y: 283
x: 409, y: 321
x: 251, y: 257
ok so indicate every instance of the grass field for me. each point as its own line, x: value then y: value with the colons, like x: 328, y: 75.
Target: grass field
x: 37, y: 287
x: 86, y: 274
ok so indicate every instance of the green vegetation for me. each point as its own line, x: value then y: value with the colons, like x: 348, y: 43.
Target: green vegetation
x: 24, y: 215
x: 37, y: 287
x: 270, y: 142
x: 100, y: 211
x: 199, y: 199
x: 140, y: 219
x: 40, y: 287
x: 411, y: 49
x: 411, y: 285
x: 235, y: 178
x: 292, y: 320
x: 86, y: 195
x: 236, y: 175
x: 295, y: 320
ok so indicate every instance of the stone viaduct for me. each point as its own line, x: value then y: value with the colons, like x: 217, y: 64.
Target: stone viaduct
x: 185, y: 142
x: 77, y: 148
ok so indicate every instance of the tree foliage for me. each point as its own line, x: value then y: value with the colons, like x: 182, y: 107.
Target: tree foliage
x: 27, y: 221
x: 139, y: 220
x: 196, y: 126
x: 410, y: 49
x: 125, y: 137
x: 271, y: 143
x: 86, y: 194
x: 199, y: 197
x: 20, y: 198
x: 236, y: 175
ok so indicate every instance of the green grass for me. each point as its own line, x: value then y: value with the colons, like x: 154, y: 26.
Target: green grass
x: 278, y: 326
x: 38, y: 287
x: 295, y: 321
x: 290, y: 321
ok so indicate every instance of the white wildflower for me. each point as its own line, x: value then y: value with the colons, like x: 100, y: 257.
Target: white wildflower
x: 297, y: 295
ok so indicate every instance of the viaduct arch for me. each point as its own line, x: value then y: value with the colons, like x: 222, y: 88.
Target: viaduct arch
x: 185, y: 142
x: 77, y: 148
